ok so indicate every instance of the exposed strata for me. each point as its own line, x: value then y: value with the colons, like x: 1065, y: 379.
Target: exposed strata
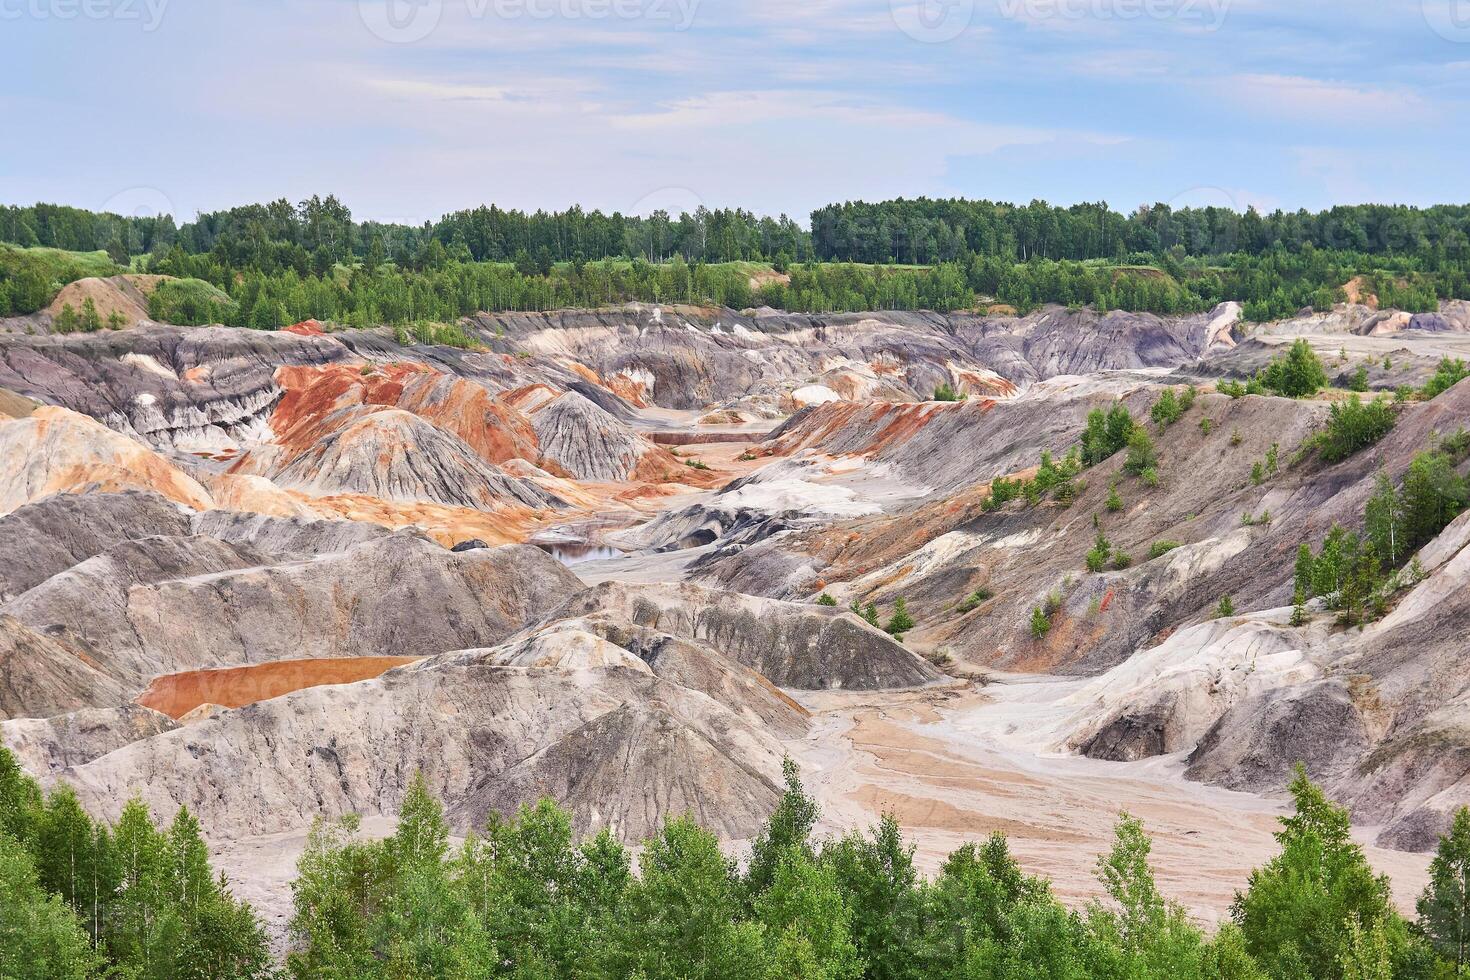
x: 226, y: 502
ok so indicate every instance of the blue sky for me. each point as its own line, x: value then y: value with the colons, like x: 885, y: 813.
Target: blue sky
x: 409, y: 108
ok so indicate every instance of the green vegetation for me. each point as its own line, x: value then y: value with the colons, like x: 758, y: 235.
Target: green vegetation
x: 1358, y: 573
x: 900, y: 622
x: 974, y: 600
x: 1296, y: 374
x: 1160, y: 548
x: 1040, y: 623
x: 825, y: 599
x: 1142, y: 457
x: 945, y: 393
x: 1352, y: 425
x: 132, y: 897
x: 1114, y: 502
x: 1167, y: 410
x: 1451, y: 371
x: 31, y: 277
x: 194, y: 302
x: 527, y: 897
x: 868, y: 612
x: 315, y: 261
x: 1107, y: 433
x: 1102, y: 551
x: 1225, y: 608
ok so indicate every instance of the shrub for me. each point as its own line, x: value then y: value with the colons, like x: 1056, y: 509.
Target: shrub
x: 1206, y: 424
x: 1449, y: 373
x: 945, y: 393
x: 1141, y: 453
x: 975, y: 599
x: 825, y: 599
x: 1166, y: 410
x: 1149, y: 477
x: 1359, y: 380
x: 1097, y: 558
x: 1232, y: 388
x: 1353, y: 425
x: 1115, y: 501
x: 1258, y: 474
x: 1160, y: 548
x: 1225, y: 608
x: 1296, y: 374
x: 1107, y: 433
x: 1121, y: 560
x: 1040, y: 624
x: 900, y: 622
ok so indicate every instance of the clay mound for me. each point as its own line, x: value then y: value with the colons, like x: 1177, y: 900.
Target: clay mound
x: 58, y: 451
x: 178, y: 695
x: 51, y: 745
x: 488, y: 737
x: 126, y: 294
x: 40, y: 677
x: 57, y: 532
x: 169, y: 605
x: 320, y: 399
x: 580, y: 439
x: 793, y: 645
x: 683, y: 769
x: 395, y: 455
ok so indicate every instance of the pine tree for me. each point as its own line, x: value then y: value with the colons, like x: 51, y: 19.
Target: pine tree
x: 901, y: 622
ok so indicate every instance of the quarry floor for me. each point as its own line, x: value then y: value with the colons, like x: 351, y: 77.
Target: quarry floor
x: 953, y: 764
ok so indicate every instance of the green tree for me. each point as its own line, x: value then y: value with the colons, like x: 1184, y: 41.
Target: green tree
x: 1115, y: 500
x: 901, y: 622
x: 1444, y: 908
x: 807, y: 925
x: 1294, y: 912
x: 681, y: 919
x: 1040, y: 623
x: 1297, y: 374
x: 39, y: 936
x: 1141, y: 453
x: 788, y: 830
x: 875, y: 874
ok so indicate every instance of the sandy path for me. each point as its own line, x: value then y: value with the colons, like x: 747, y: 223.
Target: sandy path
x: 921, y: 756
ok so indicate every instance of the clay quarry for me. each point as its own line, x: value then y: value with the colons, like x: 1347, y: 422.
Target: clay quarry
x: 621, y: 558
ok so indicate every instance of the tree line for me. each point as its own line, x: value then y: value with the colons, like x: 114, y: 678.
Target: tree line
x: 527, y: 898
x: 896, y: 255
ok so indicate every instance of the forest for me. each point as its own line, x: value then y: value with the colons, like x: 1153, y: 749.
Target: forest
x: 275, y: 264
x: 527, y: 898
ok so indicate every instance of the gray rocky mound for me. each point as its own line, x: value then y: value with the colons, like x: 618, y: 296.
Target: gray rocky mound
x: 164, y: 605
x: 586, y: 442
x: 793, y: 645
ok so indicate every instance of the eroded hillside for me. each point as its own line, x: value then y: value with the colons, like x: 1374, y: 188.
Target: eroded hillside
x: 631, y: 558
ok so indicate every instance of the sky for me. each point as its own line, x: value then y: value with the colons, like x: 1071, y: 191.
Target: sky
x: 407, y: 109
